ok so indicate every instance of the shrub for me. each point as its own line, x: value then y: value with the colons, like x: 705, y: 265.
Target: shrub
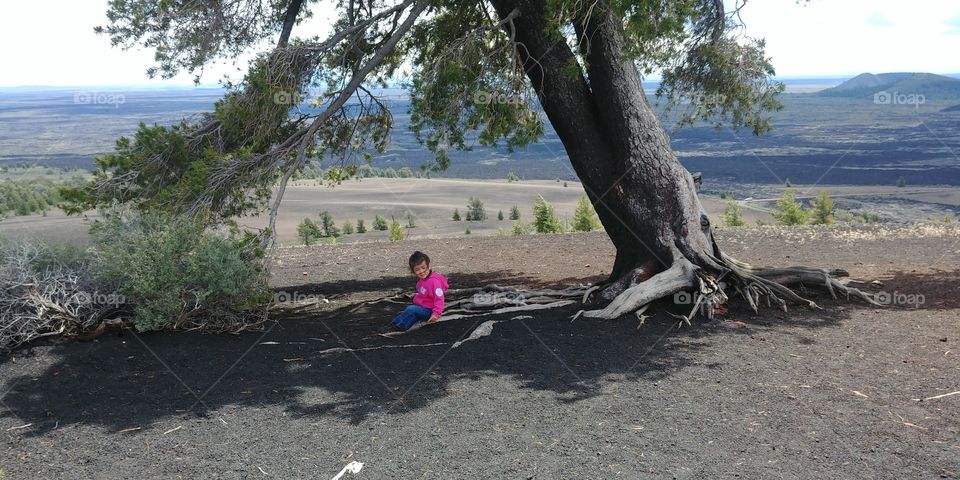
x: 733, y: 215
x: 379, y: 223
x: 347, y: 228
x: 822, y: 209
x: 584, y: 216
x: 520, y: 228
x: 500, y: 216
x: 475, y: 210
x: 327, y: 225
x: 308, y: 231
x: 788, y: 211
x: 514, y: 213
x: 176, y: 274
x: 411, y: 220
x: 544, y: 218
x: 361, y: 228
x: 456, y: 215
x: 396, y: 231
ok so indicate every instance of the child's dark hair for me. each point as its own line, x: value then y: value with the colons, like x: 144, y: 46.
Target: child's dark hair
x: 418, y: 257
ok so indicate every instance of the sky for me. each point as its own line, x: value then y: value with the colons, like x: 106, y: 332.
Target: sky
x: 822, y: 38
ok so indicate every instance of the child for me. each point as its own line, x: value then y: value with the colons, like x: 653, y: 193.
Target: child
x: 428, y: 300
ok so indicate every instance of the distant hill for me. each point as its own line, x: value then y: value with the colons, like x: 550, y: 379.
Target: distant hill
x: 955, y: 108
x: 931, y: 86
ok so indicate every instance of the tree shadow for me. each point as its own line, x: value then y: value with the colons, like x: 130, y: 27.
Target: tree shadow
x: 120, y: 381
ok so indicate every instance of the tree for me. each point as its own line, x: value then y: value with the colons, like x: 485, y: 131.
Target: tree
x: 379, y: 223
x: 475, y: 210
x: 788, y: 211
x: 456, y: 215
x: 821, y: 212
x: 579, y: 63
x: 584, y: 216
x: 901, y: 181
x: 327, y: 225
x: 544, y: 218
x: 514, y: 213
x: 308, y: 231
x: 512, y: 177
x: 361, y: 228
x: 733, y: 215
x: 347, y: 228
x: 500, y: 215
x: 396, y: 231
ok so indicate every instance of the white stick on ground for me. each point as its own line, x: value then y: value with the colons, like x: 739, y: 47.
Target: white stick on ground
x: 352, y: 467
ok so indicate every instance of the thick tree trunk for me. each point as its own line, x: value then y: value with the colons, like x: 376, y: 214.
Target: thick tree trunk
x: 646, y: 200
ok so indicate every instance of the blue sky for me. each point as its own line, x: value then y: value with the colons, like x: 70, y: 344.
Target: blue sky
x: 816, y: 39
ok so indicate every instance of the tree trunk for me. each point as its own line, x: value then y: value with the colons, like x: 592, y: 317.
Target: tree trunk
x: 646, y: 200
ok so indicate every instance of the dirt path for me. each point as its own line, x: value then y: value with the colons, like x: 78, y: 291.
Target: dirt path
x: 835, y: 393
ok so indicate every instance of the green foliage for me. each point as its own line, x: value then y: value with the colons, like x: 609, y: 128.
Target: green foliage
x: 475, y: 210
x: 327, y: 225
x: 584, y: 216
x: 512, y: 177
x: 514, y: 213
x: 467, y: 231
x: 788, y: 211
x: 733, y: 215
x: 411, y: 220
x: 25, y: 196
x: 456, y: 215
x: 520, y: 228
x: 379, y: 223
x: 361, y: 228
x: 173, y: 272
x: 347, y: 228
x: 500, y: 215
x: 544, y: 218
x: 308, y: 231
x: 787, y: 183
x: 396, y: 231
x: 821, y: 212
x: 901, y: 181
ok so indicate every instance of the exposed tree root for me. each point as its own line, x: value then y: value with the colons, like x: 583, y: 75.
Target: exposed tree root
x: 704, y: 288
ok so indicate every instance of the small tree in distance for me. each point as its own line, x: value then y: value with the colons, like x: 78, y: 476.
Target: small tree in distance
x: 475, y: 210
x: 584, y: 216
x: 396, y: 231
x: 788, y: 211
x: 822, y: 211
x: 379, y: 223
x: 733, y: 215
x: 544, y: 218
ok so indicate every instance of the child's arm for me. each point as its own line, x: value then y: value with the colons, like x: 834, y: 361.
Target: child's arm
x: 437, y: 302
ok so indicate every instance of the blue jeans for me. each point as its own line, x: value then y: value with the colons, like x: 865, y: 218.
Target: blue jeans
x: 411, y: 315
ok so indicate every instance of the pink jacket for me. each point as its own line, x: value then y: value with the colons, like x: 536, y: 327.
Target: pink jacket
x: 430, y: 292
